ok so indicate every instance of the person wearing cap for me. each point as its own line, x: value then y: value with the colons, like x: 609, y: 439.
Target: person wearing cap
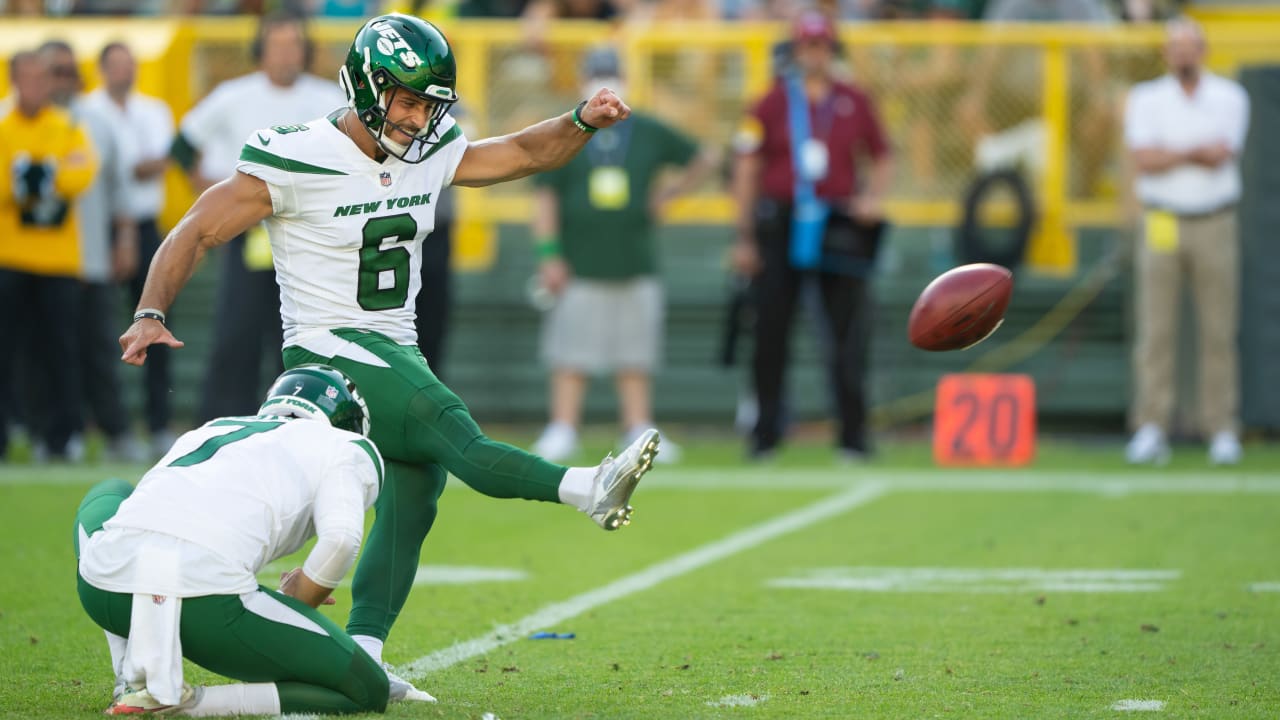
x: 594, y: 227
x: 806, y: 215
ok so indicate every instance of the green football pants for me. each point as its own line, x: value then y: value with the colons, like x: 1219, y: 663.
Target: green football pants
x: 317, y: 668
x: 422, y: 430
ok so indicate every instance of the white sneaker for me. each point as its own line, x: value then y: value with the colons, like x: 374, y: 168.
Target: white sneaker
x: 616, y: 479
x: 1148, y: 446
x: 402, y: 690
x: 161, y: 441
x: 75, y: 449
x: 1225, y: 449
x: 124, y: 449
x: 558, y: 443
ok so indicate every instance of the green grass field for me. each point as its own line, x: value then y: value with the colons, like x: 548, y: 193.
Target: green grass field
x: 800, y: 589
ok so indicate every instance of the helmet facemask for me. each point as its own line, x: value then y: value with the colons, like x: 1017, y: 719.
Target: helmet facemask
x: 427, y: 136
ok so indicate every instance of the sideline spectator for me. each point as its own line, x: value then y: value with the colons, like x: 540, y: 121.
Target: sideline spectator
x: 46, y: 160
x: 1185, y: 131
x: 805, y: 217
x: 610, y: 307
x: 144, y: 127
x: 108, y: 255
x: 208, y: 145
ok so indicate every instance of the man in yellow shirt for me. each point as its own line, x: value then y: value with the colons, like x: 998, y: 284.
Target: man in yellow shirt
x: 45, y: 161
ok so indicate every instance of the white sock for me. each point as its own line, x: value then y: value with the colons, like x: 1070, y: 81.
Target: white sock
x: 371, y: 645
x: 117, y: 646
x: 575, y: 486
x: 238, y: 699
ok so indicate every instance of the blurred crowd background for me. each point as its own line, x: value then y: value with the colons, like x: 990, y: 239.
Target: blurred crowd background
x: 965, y: 89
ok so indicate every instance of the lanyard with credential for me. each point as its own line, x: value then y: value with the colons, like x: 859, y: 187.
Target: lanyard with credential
x: 609, y: 146
x: 809, y: 213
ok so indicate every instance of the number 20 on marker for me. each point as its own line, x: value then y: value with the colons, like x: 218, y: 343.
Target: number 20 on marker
x: 984, y: 420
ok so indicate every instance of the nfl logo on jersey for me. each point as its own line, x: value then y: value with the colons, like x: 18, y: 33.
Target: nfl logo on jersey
x: 385, y: 177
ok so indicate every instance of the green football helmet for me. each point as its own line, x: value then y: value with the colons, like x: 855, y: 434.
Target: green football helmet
x: 399, y: 53
x: 318, y: 392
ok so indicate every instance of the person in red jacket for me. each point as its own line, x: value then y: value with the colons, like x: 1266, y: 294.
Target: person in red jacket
x: 805, y: 215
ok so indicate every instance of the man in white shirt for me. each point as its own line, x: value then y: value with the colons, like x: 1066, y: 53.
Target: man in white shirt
x: 144, y: 130
x: 208, y: 146
x: 1185, y: 132
x: 169, y: 569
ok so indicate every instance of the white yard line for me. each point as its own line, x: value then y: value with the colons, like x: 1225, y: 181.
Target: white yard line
x: 728, y: 546
x: 979, y: 580
x: 1138, y: 705
x: 738, y: 700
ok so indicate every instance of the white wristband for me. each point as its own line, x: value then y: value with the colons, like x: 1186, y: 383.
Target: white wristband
x: 149, y: 313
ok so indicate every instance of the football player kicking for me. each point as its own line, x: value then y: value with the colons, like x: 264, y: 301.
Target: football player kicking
x: 169, y: 569
x: 347, y: 200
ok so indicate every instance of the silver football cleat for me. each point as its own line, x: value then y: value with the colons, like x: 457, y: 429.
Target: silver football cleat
x: 617, y: 479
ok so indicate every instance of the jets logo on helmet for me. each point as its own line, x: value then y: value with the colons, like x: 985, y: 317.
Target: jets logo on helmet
x: 399, y: 53
x: 391, y: 41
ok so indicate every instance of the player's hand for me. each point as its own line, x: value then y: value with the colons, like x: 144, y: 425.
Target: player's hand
x: 289, y: 585
x: 141, y: 335
x: 744, y: 257
x: 124, y: 254
x: 554, y: 274
x: 867, y: 209
x: 604, y: 109
x: 1212, y: 155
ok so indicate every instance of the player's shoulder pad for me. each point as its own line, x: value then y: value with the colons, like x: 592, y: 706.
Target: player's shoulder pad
x: 294, y: 148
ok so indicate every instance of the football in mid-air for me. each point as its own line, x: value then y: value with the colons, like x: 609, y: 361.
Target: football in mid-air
x: 960, y: 308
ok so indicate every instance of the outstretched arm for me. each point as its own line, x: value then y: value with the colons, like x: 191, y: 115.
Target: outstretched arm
x: 221, y: 213
x: 544, y: 146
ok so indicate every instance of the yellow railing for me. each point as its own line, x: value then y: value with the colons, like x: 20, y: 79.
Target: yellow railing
x: 942, y: 88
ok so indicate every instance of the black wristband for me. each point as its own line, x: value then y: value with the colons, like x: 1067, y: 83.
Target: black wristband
x: 582, y: 124
x: 149, y: 314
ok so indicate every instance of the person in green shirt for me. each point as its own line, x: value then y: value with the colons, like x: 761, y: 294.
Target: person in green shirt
x: 593, y: 223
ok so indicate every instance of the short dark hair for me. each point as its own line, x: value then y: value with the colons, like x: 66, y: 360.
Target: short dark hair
x: 282, y: 18
x: 106, y: 50
x: 55, y: 45
x: 20, y: 58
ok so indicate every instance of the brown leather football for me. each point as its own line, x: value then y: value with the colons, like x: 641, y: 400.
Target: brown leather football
x: 960, y: 308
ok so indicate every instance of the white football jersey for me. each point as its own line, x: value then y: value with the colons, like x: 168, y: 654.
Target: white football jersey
x: 347, y: 230
x: 238, y: 493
